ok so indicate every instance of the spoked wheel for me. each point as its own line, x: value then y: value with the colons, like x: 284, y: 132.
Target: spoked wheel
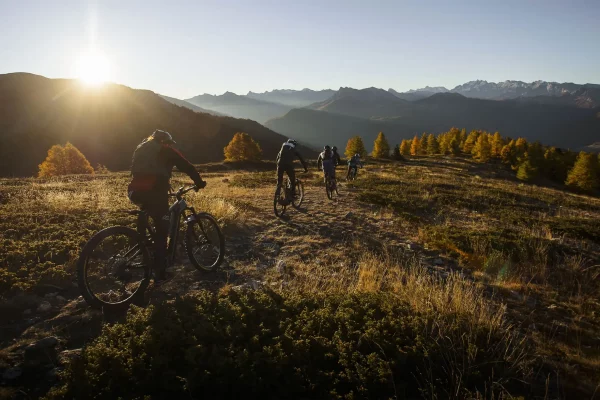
x: 113, y: 268
x: 328, y: 188
x: 204, y: 243
x: 299, y: 195
x: 278, y: 206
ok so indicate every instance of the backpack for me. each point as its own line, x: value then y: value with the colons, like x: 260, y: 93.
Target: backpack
x: 146, y: 160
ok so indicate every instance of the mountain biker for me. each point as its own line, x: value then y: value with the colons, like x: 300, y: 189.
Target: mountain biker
x: 285, y: 164
x: 353, y: 163
x: 325, y: 162
x: 337, y: 160
x: 152, y: 164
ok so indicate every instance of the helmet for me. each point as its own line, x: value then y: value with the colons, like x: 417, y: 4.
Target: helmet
x: 292, y: 142
x: 334, y: 148
x: 326, y: 147
x: 163, y: 137
x: 357, y: 155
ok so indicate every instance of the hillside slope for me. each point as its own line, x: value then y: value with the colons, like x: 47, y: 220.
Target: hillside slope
x: 105, y: 123
x: 293, y: 98
x: 240, y: 106
x: 183, y: 103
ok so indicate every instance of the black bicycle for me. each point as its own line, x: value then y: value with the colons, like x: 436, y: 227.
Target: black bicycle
x: 331, y: 187
x: 115, y: 265
x: 352, y: 173
x: 283, y: 198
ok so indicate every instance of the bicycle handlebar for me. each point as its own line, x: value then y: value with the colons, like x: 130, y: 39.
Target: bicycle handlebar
x: 183, y: 190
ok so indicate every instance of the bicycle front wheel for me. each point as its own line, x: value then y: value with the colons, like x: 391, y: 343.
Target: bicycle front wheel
x: 299, y: 195
x: 279, y: 201
x: 204, y: 243
x: 113, y: 268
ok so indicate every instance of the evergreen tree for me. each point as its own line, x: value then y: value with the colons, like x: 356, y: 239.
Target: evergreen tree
x: 415, y: 146
x: 355, y: 145
x: 497, y: 144
x: 381, y: 147
x: 444, y: 142
x: 432, y: 144
x: 396, y: 155
x: 521, y: 146
x: 584, y: 174
x: 482, y: 151
x: 455, y: 146
x: 526, y: 171
x: 405, y: 147
x: 64, y: 160
x: 462, y: 137
x: 242, y: 148
x: 423, y: 144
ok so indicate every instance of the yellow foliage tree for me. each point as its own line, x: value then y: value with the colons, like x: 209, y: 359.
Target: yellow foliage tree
x: 355, y: 145
x: 381, y: 147
x: 497, y: 145
x: 423, y: 144
x: 64, y: 160
x: 405, y: 147
x: 242, y: 148
x: 584, y: 174
x: 415, y: 145
x: 482, y: 151
x: 433, y: 146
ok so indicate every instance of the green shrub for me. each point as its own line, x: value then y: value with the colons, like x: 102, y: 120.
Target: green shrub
x: 259, y: 344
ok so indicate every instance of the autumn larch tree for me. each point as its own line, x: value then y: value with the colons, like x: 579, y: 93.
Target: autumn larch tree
x: 396, y: 155
x: 497, y: 145
x: 415, y: 146
x: 454, y: 146
x: 381, y: 147
x: 355, y: 145
x: 470, y: 142
x: 526, y: 170
x: 584, y: 174
x: 64, y: 160
x: 432, y: 144
x: 482, y: 151
x: 509, y: 154
x: 405, y: 147
x: 242, y: 148
x: 423, y: 144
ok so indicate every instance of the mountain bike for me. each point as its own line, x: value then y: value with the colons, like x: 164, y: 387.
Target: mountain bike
x: 284, y: 197
x: 352, y: 174
x: 331, y: 187
x: 115, y: 265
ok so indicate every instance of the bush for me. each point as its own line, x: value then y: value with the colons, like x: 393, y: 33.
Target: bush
x: 364, y: 345
x: 64, y: 161
x: 242, y: 148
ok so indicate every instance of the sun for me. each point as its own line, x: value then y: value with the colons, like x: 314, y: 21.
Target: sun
x: 93, y: 68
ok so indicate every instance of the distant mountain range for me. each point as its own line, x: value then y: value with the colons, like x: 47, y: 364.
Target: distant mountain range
x: 105, y: 123
x: 368, y: 111
x: 240, y: 106
x: 293, y: 98
x: 183, y: 103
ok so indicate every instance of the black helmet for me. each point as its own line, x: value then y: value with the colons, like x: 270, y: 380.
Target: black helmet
x: 326, y: 147
x: 334, y: 148
x: 292, y: 142
x: 163, y: 137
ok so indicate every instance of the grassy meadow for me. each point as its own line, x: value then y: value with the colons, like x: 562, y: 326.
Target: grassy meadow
x: 435, y: 277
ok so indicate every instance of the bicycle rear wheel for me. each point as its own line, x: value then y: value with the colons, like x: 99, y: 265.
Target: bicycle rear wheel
x: 204, y: 243
x: 299, y: 195
x: 328, y: 188
x: 278, y: 207
x: 113, y: 268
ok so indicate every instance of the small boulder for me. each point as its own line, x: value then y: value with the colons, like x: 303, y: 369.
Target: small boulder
x: 46, y: 342
x: 61, y: 300
x: 69, y: 356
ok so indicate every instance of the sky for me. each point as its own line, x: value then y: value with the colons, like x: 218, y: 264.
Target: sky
x: 185, y: 48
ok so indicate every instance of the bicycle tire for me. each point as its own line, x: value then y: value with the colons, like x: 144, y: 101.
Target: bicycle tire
x: 277, y: 206
x: 297, y: 202
x: 88, y: 249
x: 328, y: 188
x: 190, y: 236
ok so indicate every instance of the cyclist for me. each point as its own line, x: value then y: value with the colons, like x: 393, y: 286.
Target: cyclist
x: 337, y: 160
x: 152, y: 164
x: 326, y: 163
x: 353, y: 163
x: 285, y: 164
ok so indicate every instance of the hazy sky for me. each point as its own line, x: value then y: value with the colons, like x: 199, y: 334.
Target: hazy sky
x: 184, y: 48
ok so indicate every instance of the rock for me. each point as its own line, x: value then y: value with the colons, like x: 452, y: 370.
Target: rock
x: 61, y: 300
x: 44, y: 307
x: 350, y: 214
x: 12, y: 373
x: 45, y: 343
x: 438, y: 261
x: 27, y: 312
x: 280, y: 266
x: 52, y: 375
x: 252, y: 285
